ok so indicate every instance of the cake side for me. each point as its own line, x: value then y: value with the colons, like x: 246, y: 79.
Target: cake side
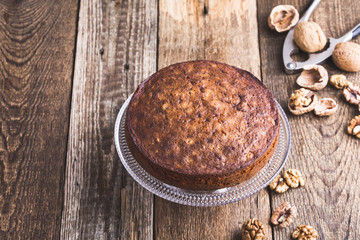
x: 200, y: 182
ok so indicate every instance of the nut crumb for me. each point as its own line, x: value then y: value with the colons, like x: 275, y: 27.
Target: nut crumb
x: 284, y: 215
x: 253, y: 229
x: 305, y: 232
x: 293, y: 178
x: 354, y: 127
x: 279, y: 185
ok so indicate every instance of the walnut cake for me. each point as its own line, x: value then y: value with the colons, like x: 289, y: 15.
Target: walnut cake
x: 202, y: 125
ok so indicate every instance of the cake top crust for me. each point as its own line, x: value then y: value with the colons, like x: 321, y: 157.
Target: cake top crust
x: 202, y: 117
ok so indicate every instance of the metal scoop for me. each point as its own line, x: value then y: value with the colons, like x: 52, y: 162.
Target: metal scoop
x: 291, y: 48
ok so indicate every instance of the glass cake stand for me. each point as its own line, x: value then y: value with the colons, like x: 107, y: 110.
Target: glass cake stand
x: 203, y: 198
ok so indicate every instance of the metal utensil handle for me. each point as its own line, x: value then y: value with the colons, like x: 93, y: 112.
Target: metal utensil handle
x: 356, y: 31
x: 351, y: 34
x: 309, y: 11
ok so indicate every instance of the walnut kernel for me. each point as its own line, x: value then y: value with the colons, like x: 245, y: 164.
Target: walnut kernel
x: 309, y: 37
x: 302, y: 101
x: 284, y: 215
x: 339, y: 81
x: 346, y: 56
x: 283, y: 17
x: 352, y: 94
x: 354, y: 127
x: 293, y: 178
x: 253, y: 229
x: 279, y: 185
x: 305, y: 232
x: 326, y: 107
x: 314, y: 77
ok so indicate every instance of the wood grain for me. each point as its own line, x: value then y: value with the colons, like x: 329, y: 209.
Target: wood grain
x: 321, y: 149
x: 225, y: 32
x: 37, y: 39
x: 116, y: 49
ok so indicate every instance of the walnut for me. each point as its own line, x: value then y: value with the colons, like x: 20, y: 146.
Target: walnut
x: 354, y: 127
x: 305, y: 232
x: 314, y: 77
x: 302, y: 101
x: 283, y: 17
x: 326, y: 107
x: 346, y: 56
x: 339, y: 81
x: 352, y: 94
x: 309, y: 37
x: 279, y: 185
x: 284, y: 215
x: 253, y: 229
x: 293, y: 178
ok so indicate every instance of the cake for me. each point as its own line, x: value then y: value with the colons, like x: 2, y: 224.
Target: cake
x: 202, y: 125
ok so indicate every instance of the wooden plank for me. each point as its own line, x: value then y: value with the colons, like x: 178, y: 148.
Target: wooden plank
x: 226, y: 32
x: 116, y: 49
x: 36, y: 62
x: 321, y: 149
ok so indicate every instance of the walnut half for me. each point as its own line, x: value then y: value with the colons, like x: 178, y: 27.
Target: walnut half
x: 279, y: 185
x: 283, y: 17
x: 354, y: 127
x: 253, y: 229
x: 352, y: 94
x: 305, y: 232
x: 284, y: 215
x: 339, y: 81
x: 302, y: 101
x: 293, y: 178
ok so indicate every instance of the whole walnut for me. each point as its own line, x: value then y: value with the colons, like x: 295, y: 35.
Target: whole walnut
x: 309, y: 37
x: 346, y: 56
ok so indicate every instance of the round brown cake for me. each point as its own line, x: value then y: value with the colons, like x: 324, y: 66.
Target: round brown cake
x: 202, y: 125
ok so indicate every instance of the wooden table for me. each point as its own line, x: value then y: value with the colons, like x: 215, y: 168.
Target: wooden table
x: 67, y: 66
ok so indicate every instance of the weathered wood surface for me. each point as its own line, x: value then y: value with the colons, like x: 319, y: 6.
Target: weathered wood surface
x: 321, y: 149
x: 36, y: 62
x: 116, y: 49
x: 118, y: 44
x: 221, y: 31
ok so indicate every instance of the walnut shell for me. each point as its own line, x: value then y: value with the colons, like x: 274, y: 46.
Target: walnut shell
x: 302, y: 101
x: 346, y: 56
x: 314, y: 77
x: 283, y: 17
x: 309, y: 37
x: 326, y: 107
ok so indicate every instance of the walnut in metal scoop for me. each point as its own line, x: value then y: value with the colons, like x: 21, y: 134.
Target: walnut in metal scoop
x: 305, y: 232
x: 283, y: 17
x: 314, y: 77
x: 253, y: 229
x: 302, y: 101
x: 326, y: 107
x: 352, y: 94
x: 284, y: 215
x: 354, y: 127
